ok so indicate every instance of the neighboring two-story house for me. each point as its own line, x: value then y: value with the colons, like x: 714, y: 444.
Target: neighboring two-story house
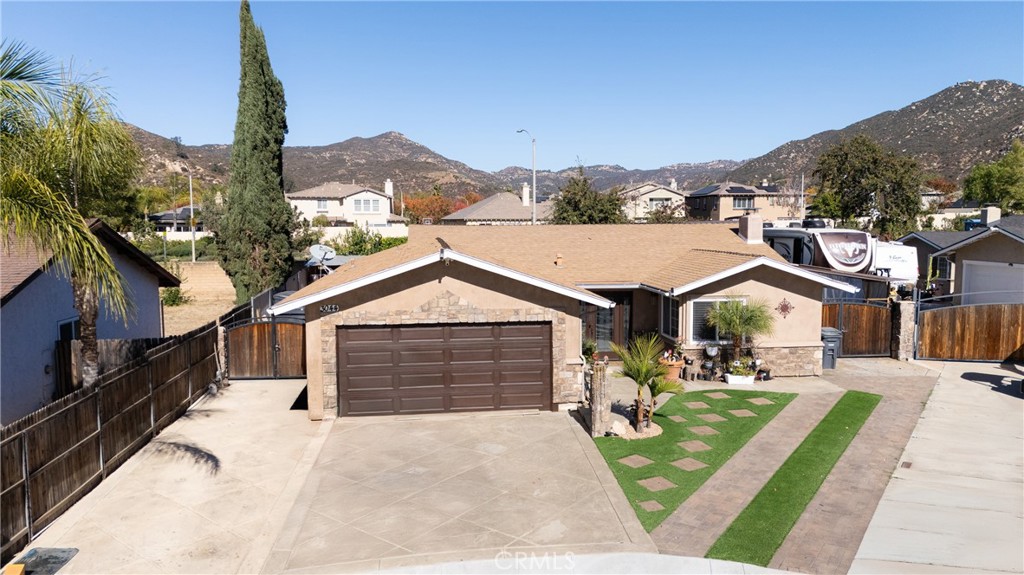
x: 347, y: 205
x: 729, y: 201
x: 639, y: 201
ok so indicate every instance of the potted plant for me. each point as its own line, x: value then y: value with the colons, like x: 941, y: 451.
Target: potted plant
x: 674, y: 361
x: 740, y: 371
x: 741, y: 321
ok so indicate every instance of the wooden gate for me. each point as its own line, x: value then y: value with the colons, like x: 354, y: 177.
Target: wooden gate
x: 866, y: 327
x: 982, y: 332
x: 273, y: 348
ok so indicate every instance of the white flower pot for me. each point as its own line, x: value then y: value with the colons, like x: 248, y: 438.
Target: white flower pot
x: 739, y: 379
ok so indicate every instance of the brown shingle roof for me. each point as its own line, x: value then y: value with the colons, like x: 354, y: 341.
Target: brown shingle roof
x: 661, y: 256
x: 504, y: 206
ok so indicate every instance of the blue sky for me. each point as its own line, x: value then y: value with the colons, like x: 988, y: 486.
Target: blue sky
x: 641, y: 85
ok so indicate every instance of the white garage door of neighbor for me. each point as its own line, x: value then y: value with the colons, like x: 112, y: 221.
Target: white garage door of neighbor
x: 1006, y: 280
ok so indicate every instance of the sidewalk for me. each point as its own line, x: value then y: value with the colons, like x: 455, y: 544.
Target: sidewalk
x: 956, y: 501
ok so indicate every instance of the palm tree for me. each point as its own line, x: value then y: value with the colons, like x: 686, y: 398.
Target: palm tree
x: 741, y: 320
x: 59, y: 154
x: 640, y: 363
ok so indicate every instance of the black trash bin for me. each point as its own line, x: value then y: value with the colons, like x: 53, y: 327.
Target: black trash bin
x: 833, y: 339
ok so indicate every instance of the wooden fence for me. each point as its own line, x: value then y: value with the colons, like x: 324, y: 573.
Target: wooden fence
x: 52, y: 458
x: 980, y: 332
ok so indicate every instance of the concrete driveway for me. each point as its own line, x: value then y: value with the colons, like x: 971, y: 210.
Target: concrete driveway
x: 955, y: 503
x: 391, y: 492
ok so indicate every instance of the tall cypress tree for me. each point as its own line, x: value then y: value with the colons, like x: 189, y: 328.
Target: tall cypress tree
x: 254, y: 234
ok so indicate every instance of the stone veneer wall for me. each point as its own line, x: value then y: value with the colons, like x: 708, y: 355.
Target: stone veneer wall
x: 783, y: 361
x: 903, y: 326
x: 446, y: 307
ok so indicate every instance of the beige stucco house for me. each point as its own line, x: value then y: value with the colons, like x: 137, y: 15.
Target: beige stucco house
x: 639, y: 201
x: 729, y: 201
x: 473, y: 317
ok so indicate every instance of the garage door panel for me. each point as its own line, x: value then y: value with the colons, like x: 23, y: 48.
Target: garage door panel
x: 370, y: 382
x: 368, y: 358
x: 419, y: 380
x: 511, y: 332
x: 483, y: 355
x: 430, y: 404
x: 472, y: 333
x: 420, y: 334
x: 420, y: 357
x: 439, y: 368
x: 374, y: 406
x: 368, y: 335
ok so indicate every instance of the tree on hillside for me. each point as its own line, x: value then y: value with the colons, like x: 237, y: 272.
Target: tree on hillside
x: 1001, y: 182
x: 65, y: 156
x: 860, y: 178
x: 579, y: 203
x: 254, y: 233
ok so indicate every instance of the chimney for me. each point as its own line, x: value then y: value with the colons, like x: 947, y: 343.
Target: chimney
x: 752, y: 229
x: 389, y: 188
x: 672, y: 185
x: 764, y: 183
x: 526, y: 194
x: 990, y: 215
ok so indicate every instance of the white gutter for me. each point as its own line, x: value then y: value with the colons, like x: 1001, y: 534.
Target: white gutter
x: 785, y: 267
x: 445, y: 255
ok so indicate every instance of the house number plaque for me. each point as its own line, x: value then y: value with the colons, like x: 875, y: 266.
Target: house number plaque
x: 329, y: 308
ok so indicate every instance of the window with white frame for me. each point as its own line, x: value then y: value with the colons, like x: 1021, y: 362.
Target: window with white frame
x: 657, y: 203
x: 321, y: 205
x: 699, y: 328
x: 743, y: 203
x: 943, y: 268
x: 669, y: 316
x: 367, y: 206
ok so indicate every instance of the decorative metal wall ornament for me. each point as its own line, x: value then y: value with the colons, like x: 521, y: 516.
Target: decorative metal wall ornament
x: 784, y: 308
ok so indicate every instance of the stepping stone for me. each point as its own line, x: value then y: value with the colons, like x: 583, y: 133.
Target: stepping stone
x: 717, y: 395
x: 656, y: 483
x: 760, y: 401
x: 742, y: 413
x: 677, y: 418
x: 651, y: 505
x: 635, y: 461
x: 711, y: 417
x: 703, y: 430
x: 696, y: 405
x: 689, y: 464
x: 694, y: 445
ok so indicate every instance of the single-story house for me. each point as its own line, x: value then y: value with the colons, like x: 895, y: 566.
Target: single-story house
x: 989, y: 265
x: 502, y: 209
x: 936, y: 273
x: 37, y: 309
x: 348, y: 205
x: 471, y: 317
x: 641, y: 200
x: 729, y: 201
x: 176, y: 220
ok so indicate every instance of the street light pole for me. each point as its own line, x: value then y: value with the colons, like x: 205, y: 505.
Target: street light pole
x: 533, y: 192
x: 191, y: 215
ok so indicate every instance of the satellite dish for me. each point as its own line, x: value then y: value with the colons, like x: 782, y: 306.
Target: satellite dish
x: 321, y: 253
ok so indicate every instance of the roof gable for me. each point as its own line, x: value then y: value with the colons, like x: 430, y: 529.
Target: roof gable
x: 1013, y: 234
x: 505, y: 206
x: 332, y: 191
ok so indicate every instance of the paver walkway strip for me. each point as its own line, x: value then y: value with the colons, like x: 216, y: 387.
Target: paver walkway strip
x: 706, y: 514
x: 824, y: 538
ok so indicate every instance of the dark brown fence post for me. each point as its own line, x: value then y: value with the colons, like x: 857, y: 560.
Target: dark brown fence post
x: 28, y: 490
x: 99, y: 425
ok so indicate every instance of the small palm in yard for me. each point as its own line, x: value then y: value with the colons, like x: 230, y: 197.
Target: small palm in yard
x: 741, y: 320
x: 640, y: 363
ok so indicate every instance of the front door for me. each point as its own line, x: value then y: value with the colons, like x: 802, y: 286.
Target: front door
x: 607, y: 326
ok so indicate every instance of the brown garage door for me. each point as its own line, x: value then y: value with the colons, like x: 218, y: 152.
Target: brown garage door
x: 437, y: 368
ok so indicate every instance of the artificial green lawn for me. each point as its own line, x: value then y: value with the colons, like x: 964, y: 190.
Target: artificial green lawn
x: 760, y: 529
x: 662, y: 449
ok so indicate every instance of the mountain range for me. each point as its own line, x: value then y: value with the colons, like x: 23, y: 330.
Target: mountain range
x: 948, y: 133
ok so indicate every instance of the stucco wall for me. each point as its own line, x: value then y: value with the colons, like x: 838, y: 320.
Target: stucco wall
x: 639, y: 207
x: 344, y: 209
x: 455, y: 293
x: 795, y: 346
